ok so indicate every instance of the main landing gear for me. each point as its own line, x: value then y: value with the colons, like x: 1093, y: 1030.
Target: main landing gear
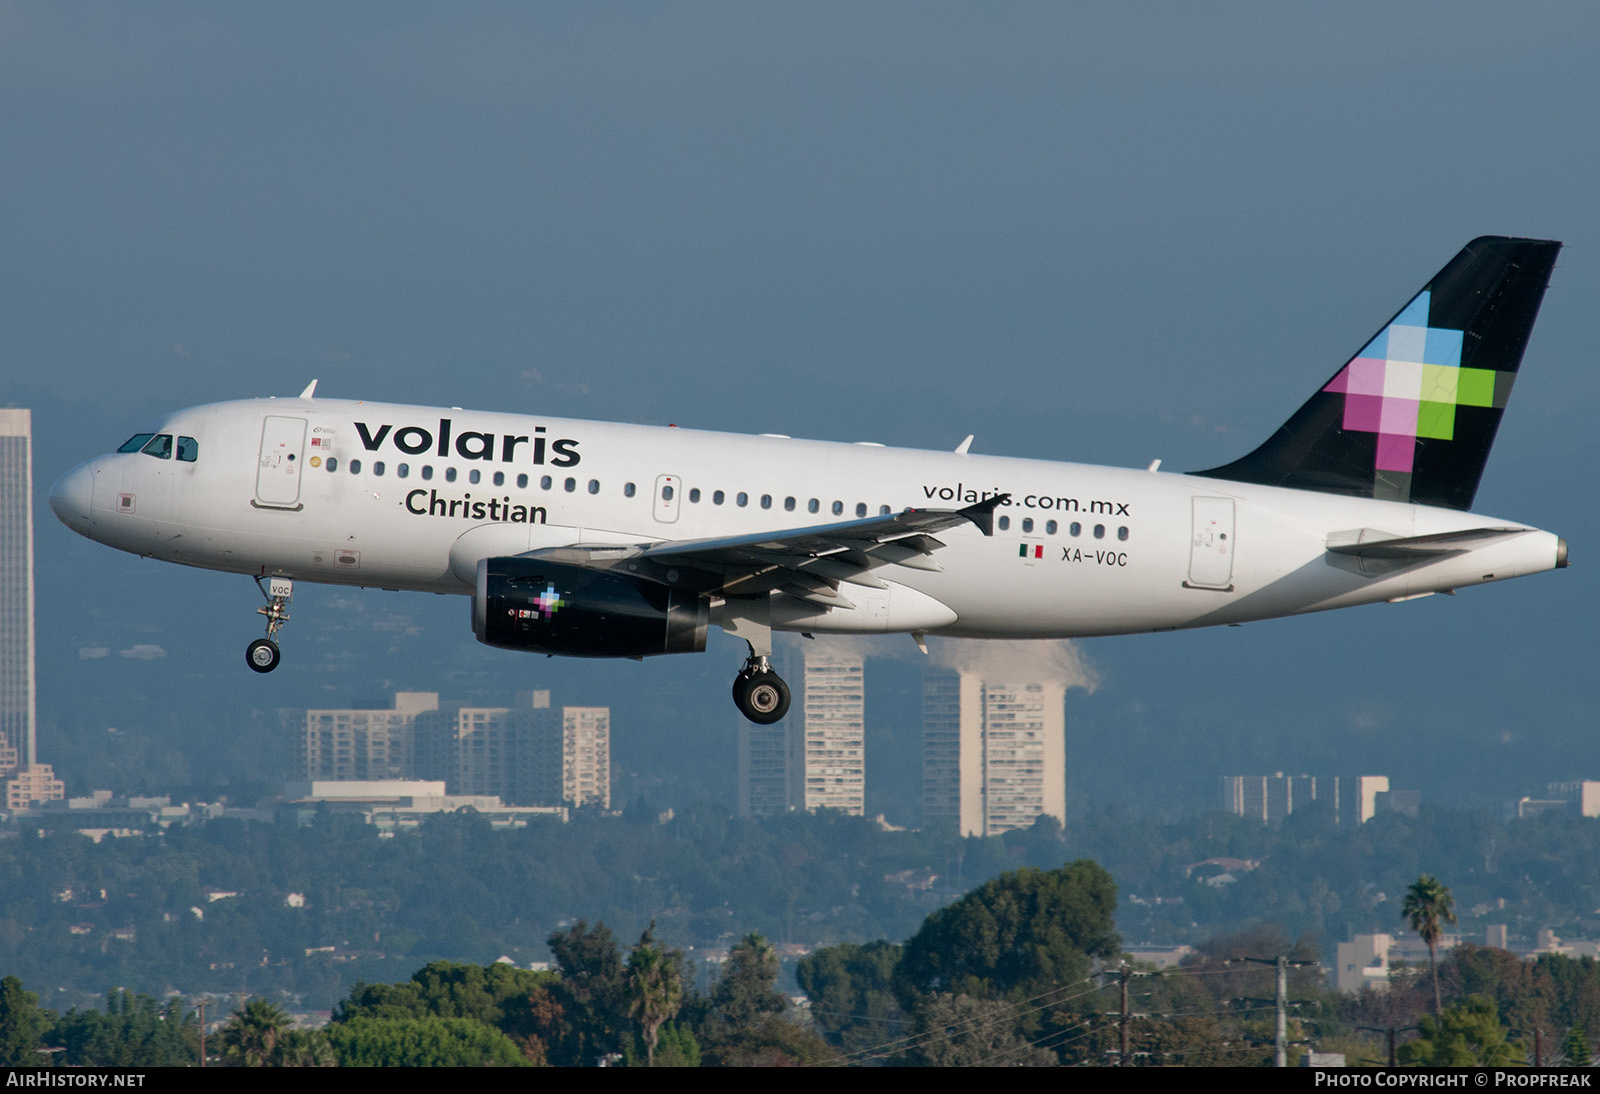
x: 262, y: 654
x: 759, y: 693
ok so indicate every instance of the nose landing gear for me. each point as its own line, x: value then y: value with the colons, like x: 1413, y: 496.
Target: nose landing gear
x: 262, y: 654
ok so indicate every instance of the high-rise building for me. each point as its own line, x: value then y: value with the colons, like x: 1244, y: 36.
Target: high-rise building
x: 586, y: 756
x: 1270, y: 798
x: 33, y: 784
x: 526, y: 754
x: 833, y: 727
x: 356, y: 744
x: 994, y: 752
x: 764, y: 763
x: 18, y: 713
x: 816, y: 757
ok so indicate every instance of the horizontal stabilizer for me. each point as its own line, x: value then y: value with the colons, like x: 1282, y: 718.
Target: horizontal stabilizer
x: 1374, y: 544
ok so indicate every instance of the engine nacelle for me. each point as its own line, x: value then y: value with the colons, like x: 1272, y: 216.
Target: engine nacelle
x: 551, y: 607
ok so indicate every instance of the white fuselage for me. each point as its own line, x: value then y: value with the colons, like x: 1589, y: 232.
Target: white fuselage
x: 273, y: 489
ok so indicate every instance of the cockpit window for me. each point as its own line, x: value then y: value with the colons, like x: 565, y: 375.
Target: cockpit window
x: 136, y: 442
x: 188, y: 449
x: 160, y: 446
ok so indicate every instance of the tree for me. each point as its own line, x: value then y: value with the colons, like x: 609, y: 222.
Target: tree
x: 1467, y: 1035
x: 1428, y: 906
x: 21, y: 1023
x: 960, y: 1031
x: 1026, y: 931
x: 252, y: 1036
x: 655, y: 988
x: 851, y: 989
x: 422, y: 1042
x: 1577, y: 1048
x: 745, y: 1021
x: 134, y: 1031
x: 591, y: 995
x: 747, y: 984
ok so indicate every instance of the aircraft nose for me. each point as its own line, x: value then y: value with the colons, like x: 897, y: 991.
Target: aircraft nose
x: 72, y: 497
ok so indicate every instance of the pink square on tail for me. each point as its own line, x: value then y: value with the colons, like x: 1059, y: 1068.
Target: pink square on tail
x: 1395, y: 453
x: 1363, y: 413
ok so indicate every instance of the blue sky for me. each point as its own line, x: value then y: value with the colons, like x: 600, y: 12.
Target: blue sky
x: 1103, y: 233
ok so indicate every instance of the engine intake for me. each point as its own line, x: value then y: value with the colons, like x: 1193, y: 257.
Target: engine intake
x: 550, y: 607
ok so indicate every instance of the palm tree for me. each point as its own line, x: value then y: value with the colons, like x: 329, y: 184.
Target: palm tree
x: 1429, y: 905
x: 251, y: 1037
x: 655, y: 989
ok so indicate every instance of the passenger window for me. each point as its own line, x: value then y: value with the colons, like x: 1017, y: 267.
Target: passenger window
x: 813, y: 505
x: 1122, y: 533
x: 159, y: 446
x: 594, y: 486
x: 427, y: 472
x: 377, y: 467
x: 1050, y: 527
x: 742, y: 500
x: 449, y: 474
x: 766, y: 501
x: 1099, y: 531
x: 627, y: 490
x: 1005, y: 522
x: 499, y: 478
x: 694, y: 495
x: 188, y: 449
x: 333, y: 463
x: 474, y: 475
x: 718, y: 497
x: 788, y: 505
x: 1076, y: 529
x: 570, y: 485
x: 546, y: 482
x: 883, y: 510
x: 861, y: 509
x: 136, y: 442
x: 401, y: 470
x: 522, y: 482
x: 838, y: 508
x: 355, y: 467
x: 1027, y: 524
x: 666, y: 493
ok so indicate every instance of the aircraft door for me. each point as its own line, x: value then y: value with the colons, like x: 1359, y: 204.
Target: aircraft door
x: 278, y: 470
x: 668, y: 487
x: 1212, y: 545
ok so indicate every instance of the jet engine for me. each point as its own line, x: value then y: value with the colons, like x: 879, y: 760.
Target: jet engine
x: 552, y: 607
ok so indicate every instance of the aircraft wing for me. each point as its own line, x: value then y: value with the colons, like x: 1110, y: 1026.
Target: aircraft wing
x: 807, y: 563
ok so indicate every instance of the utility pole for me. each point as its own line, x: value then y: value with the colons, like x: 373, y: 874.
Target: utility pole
x: 1391, y: 1031
x: 1280, y: 1054
x: 1122, y: 1058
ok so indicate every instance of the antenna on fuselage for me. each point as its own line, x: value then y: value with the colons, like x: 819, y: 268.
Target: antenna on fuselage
x: 961, y: 449
x: 310, y: 391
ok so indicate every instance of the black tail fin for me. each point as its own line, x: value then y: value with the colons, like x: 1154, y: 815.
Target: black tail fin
x: 1413, y: 415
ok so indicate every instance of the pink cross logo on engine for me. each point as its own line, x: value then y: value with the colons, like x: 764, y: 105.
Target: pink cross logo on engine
x: 548, y: 601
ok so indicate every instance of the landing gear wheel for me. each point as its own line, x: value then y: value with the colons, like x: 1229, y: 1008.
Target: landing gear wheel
x: 262, y: 655
x: 762, y: 697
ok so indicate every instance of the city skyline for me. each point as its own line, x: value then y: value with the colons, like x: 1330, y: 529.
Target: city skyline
x: 1037, y: 230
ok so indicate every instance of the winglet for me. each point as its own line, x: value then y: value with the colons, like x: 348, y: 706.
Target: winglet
x: 982, y: 514
x: 961, y: 449
x: 310, y: 391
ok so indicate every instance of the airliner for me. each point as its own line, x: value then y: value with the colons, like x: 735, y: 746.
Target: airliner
x: 594, y: 539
